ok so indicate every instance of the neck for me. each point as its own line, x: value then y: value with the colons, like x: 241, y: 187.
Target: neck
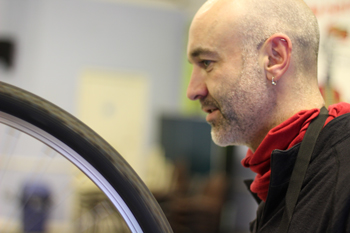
x: 290, y: 100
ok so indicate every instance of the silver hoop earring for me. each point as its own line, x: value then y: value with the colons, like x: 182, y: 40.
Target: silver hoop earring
x: 273, y: 82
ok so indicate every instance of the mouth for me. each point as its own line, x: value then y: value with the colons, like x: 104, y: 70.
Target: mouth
x: 212, y: 112
x: 209, y: 109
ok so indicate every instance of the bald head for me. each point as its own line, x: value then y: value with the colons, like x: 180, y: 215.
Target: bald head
x: 257, y: 20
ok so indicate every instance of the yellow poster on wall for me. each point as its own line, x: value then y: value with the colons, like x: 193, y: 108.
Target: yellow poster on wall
x: 115, y: 104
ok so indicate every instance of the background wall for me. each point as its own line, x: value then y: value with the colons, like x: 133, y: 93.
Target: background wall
x: 57, y: 41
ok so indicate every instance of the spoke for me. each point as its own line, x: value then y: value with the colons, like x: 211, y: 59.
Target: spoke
x: 8, y: 142
x: 93, y: 210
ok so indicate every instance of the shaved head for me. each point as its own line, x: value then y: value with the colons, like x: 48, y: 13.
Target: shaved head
x: 291, y: 17
x: 257, y: 20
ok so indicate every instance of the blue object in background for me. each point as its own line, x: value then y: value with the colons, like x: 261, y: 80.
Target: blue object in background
x: 35, y: 200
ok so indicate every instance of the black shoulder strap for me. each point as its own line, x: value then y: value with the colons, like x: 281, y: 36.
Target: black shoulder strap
x: 300, y: 167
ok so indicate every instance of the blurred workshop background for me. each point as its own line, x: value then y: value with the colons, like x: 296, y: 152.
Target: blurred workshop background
x: 120, y: 66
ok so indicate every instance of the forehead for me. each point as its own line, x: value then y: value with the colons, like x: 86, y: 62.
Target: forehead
x: 213, y: 29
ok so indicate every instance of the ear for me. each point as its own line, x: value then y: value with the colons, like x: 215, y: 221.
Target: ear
x: 277, y: 52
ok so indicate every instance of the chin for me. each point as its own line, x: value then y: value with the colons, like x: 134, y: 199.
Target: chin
x: 220, y: 139
x: 223, y: 138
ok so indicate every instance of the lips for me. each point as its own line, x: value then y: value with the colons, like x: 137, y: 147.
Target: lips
x: 210, y: 106
x: 212, y: 111
x: 209, y: 109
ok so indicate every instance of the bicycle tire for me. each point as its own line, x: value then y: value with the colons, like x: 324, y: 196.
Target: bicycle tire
x: 47, y: 122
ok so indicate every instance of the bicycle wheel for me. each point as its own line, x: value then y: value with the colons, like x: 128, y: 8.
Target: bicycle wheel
x: 88, y: 152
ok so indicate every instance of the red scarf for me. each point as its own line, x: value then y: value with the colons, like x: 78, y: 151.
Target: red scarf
x: 283, y: 137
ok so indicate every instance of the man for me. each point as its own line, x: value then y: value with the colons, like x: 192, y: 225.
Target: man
x: 255, y: 75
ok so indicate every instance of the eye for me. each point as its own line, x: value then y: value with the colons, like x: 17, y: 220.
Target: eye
x: 206, y: 63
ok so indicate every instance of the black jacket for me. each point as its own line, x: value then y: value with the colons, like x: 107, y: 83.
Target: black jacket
x: 324, y: 201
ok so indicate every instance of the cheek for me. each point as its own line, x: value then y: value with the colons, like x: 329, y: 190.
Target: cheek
x: 217, y: 85
x: 236, y: 88
x: 249, y: 94
x: 229, y: 95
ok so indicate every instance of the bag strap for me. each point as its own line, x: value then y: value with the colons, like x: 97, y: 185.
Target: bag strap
x: 302, y: 162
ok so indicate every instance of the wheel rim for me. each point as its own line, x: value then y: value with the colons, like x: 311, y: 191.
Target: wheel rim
x: 78, y: 161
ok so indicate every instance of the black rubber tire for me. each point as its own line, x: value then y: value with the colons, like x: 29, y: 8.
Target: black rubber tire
x: 94, y: 149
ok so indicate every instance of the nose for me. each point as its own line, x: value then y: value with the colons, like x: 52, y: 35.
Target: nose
x: 197, y: 88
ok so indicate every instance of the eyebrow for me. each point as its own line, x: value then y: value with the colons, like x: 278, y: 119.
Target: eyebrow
x: 202, y: 51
